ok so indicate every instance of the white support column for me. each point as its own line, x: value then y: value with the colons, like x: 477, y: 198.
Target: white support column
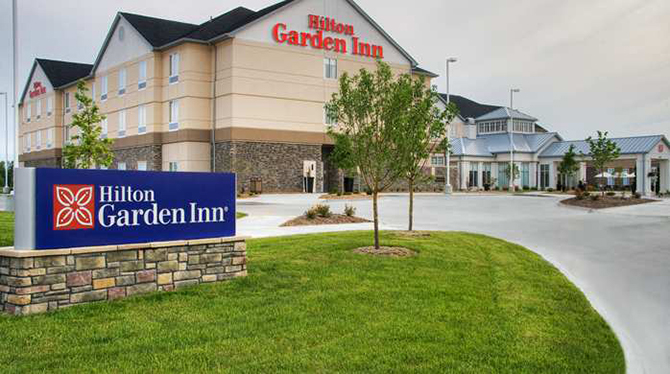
x: 552, y: 175
x: 582, y: 172
x: 532, y: 170
x: 480, y: 175
x: 665, y: 176
x: 494, y: 174
x: 643, y: 170
x: 465, y: 171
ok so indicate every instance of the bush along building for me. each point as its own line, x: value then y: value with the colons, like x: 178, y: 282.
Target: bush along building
x: 483, y: 142
x: 243, y: 92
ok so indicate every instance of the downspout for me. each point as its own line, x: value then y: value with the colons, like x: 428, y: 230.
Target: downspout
x: 213, y: 135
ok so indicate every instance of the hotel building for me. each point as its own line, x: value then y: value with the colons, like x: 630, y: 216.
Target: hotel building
x: 243, y: 92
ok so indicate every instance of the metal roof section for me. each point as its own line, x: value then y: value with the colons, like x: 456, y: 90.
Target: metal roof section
x: 490, y: 145
x: 505, y: 113
x: 628, y: 146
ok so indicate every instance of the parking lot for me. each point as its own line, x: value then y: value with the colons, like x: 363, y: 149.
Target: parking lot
x: 620, y: 258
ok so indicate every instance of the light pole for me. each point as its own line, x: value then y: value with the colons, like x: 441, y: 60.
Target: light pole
x: 511, y: 138
x: 447, y: 158
x: 15, y: 67
x: 6, y: 189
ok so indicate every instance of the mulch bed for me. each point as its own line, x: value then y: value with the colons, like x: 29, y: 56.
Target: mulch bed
x: 604, y: 203
x: 359, y: 196
x: 386, y: 251
x: 335, y: 219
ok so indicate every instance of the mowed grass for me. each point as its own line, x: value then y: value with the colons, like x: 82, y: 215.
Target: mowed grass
x: 6, y: 229
x: 465, y: 304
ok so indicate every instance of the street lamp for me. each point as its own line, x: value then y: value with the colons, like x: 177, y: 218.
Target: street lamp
x: 511, y: 138
x: 447, y: 158
x: 6, y: 189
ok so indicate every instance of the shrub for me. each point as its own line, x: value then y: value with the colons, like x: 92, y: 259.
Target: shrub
x: 322, y: 210
x: 595, y: 197
x: 349, y: 211
x: 637, y: 195
x: 310, y: 213
x: 550, y: 190
x: 347, y: 194
x: 368, y: 191
x: 339, y: 193
x: 611, y: 194
x: 334, y: 191
x: 580, y: 195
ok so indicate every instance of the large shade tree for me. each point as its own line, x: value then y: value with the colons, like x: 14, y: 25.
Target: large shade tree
x: 369, y: 110
x: 87, y: 148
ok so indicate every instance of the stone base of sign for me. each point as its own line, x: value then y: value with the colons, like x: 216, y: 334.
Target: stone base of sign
x: 40, y: 281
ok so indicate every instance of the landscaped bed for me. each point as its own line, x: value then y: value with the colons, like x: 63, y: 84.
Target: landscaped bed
x: 462, y: 303
x: 320, y: 214
x: 605, y: 202
x: 352, y: 196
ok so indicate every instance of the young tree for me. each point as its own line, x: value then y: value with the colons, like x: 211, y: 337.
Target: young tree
x: 424, y: 129
x: 87, y: 149
x: 569, y: 165
x: 368, y: 110
x: 602, y: 152
x: 512, y: 172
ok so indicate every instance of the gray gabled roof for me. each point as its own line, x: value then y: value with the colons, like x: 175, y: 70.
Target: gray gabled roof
x: 59, y: 73
x: 628, y: 146
x: 504, y: 113
x: 489, y: 145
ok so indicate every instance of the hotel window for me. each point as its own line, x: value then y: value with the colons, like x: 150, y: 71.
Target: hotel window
x: 67, y: 134
x: 625, y: 180
x: 330, y: 68
x: 142, y: 84
x: 142, y: 119
x: 174, y: 68
x: 103, y: 89
x: 437, y: 160
x: 486, y: 173
x: 50, y: 106
x: 544, y: 176
x: 142, y: 165
x: 28, y: 114
x: 38, y: 139
x: 525, y: 175
x: 66, y: 102
x: 174, y: 166
x: 473, y: 181
x: 329, y: 117
x: 122, y: 124
x: 121, y: 166
x: 174, y: 115
x: 103, y: 125
x: 610, y: 181
x: 93, y: 91
x: 50, y: 138
x: 38, y: 112
x: 122, y: 82
x: 28, y: 138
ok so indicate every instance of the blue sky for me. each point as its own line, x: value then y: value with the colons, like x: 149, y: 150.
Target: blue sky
x: 581, y: 65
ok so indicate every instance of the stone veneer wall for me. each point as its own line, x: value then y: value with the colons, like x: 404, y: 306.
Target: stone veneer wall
x: 278, y: 165
x: 39, y: 281
x: 44, y: 163
x: 152, y: 154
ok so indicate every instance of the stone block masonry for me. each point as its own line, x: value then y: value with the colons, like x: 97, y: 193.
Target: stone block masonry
x: 40, y: 281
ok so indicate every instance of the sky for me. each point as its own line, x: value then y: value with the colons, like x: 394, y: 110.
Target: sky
x: 581, y: 65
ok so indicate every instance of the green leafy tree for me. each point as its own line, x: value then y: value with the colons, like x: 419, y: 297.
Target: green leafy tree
x: 602, y: 152
x: 569, y: 166
x: 87, y: 149
x: 341, y: 155
x: 424, y: 129
x: 515, y: 170
x: 10, y: 174
x: 369, y: 109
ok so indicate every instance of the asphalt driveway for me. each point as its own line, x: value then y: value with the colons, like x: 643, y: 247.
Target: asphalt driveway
x: 619, y: 258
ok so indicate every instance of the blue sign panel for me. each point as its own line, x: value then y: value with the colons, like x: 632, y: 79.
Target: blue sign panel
x: 80, y: 208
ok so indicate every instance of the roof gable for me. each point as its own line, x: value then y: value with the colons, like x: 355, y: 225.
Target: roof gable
x: 468, y: 108
x: 347, y: 12
x: 124, y: 44
x: 156, y: 31
x: 56, y: 73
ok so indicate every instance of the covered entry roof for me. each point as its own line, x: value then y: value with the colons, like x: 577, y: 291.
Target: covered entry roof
x: 628, y: 146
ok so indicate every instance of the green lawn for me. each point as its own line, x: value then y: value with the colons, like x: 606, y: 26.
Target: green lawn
x: 466, y: 303
x: 6, y: 229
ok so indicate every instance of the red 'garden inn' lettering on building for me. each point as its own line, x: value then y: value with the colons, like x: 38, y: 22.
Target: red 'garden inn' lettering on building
x: 318, y: 41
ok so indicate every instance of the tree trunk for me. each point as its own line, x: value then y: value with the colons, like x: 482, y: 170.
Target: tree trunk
x: 375, y: 215
x: 411, y: 205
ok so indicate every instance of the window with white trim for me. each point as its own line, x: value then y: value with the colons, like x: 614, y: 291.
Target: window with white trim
x: 67, y: 134
x: 93, y: 91
x: 121, y: 166
x: 174, y: 68
x: 330, y: 68
x: 50, y: 138
x: 122, y: 82
x: 174, y: 115
x: 122, y: 124
x: 437, y: 160
x: 141, y: 165
x: 27, y: 113
x: 28, y: 138
x: 104, y: 127
x: 50, y: 105
x: 66, y: 102
x: 174, y: 166
x: 141, y: 119
x: 38, y: 140
x: 329, y: 117
x: 38, y: 112
x: 142, y: 83
x: 103, y: 88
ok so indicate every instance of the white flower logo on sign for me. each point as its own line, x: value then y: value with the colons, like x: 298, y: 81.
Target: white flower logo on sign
x: 74, y: 207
